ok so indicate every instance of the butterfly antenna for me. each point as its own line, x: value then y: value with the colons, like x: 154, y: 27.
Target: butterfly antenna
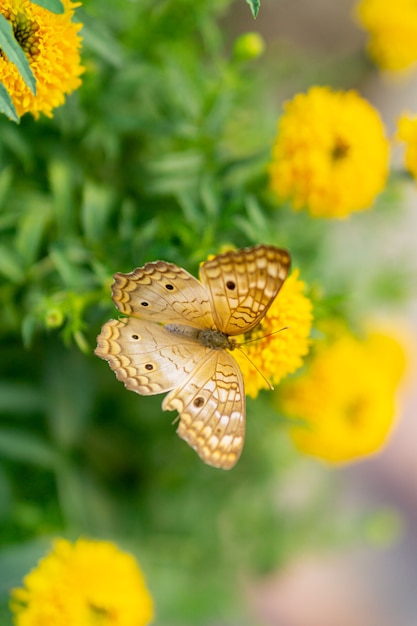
x: 263, y: 336
x: 270, y: 385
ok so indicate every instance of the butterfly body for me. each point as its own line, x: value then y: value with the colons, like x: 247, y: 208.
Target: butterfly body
x: 208, y: 337
x: 179, y: 335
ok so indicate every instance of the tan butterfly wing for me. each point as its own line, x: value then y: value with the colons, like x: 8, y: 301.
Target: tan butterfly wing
x: 243, y: 284
x: 163, y: 292
x: 147, y: 358
x: 211, y: 403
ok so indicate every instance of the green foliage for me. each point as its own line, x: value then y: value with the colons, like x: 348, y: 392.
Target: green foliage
x: 52, y: 5
x: 6, y: 104
x: 254, y: 7
x: 161, y: 154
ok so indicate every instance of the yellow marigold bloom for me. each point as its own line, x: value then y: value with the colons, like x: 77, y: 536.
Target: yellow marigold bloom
x: 392, y: 28
x: 407, y: 132
x: 331, y: 154
x: 346, y: 398
x: 51, y: 44
x: 279, y: 354
x: 86, y: 583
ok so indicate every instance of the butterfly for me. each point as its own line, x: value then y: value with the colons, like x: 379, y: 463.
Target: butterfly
x: 178, y: 336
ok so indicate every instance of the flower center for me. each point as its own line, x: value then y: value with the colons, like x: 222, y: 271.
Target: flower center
x: 99, y: 615
x: 340, y: 149
x: 355, y: 411
x: 25, y: 34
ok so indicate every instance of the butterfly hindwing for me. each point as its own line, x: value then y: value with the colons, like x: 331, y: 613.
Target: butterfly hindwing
x: 211, y: 405
x: 243, y: 284
x: 146, y: 357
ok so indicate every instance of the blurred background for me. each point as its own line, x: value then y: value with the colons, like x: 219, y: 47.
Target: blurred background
x: 369, y: 586
x: 160, y: 154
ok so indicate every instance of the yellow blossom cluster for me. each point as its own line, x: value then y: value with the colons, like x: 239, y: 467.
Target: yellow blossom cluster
x: 345, y: 403
x: 392, y: 29
x: 407, y: 132
x: 84, y: 583
x: 51, y: 44
x: 330, y: 155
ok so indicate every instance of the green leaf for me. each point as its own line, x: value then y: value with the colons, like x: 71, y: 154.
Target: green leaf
x: 254, y: 7
x: 19, y: 398
x: 70, y: 396
x: 5, y: 496
x: 6, y: 180
x: 17, y: 560
x: 32, y: 229
x: 6, y: 105
x: 23, y: 446
x: 55, y: 6
x: 18, y: 144
x: 95, y: 211
x: 61, y: 183
x: 11, y: 264
x: 101, y: 42
x: 15, y: 54
x: 67, y: 266
x: 30, y: 325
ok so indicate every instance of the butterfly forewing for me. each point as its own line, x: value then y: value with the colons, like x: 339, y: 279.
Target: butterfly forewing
x: 243, y: 284
x: 163, y: 292
x: 211, y: 404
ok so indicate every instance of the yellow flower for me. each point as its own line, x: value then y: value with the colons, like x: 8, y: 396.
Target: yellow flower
x: 276, y: 355
x: 346, y: 399
x: 51, y: 44
x: 330, y: 155
x: 392, y: 28
x: 86, y: 583
x: 407, y: 132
